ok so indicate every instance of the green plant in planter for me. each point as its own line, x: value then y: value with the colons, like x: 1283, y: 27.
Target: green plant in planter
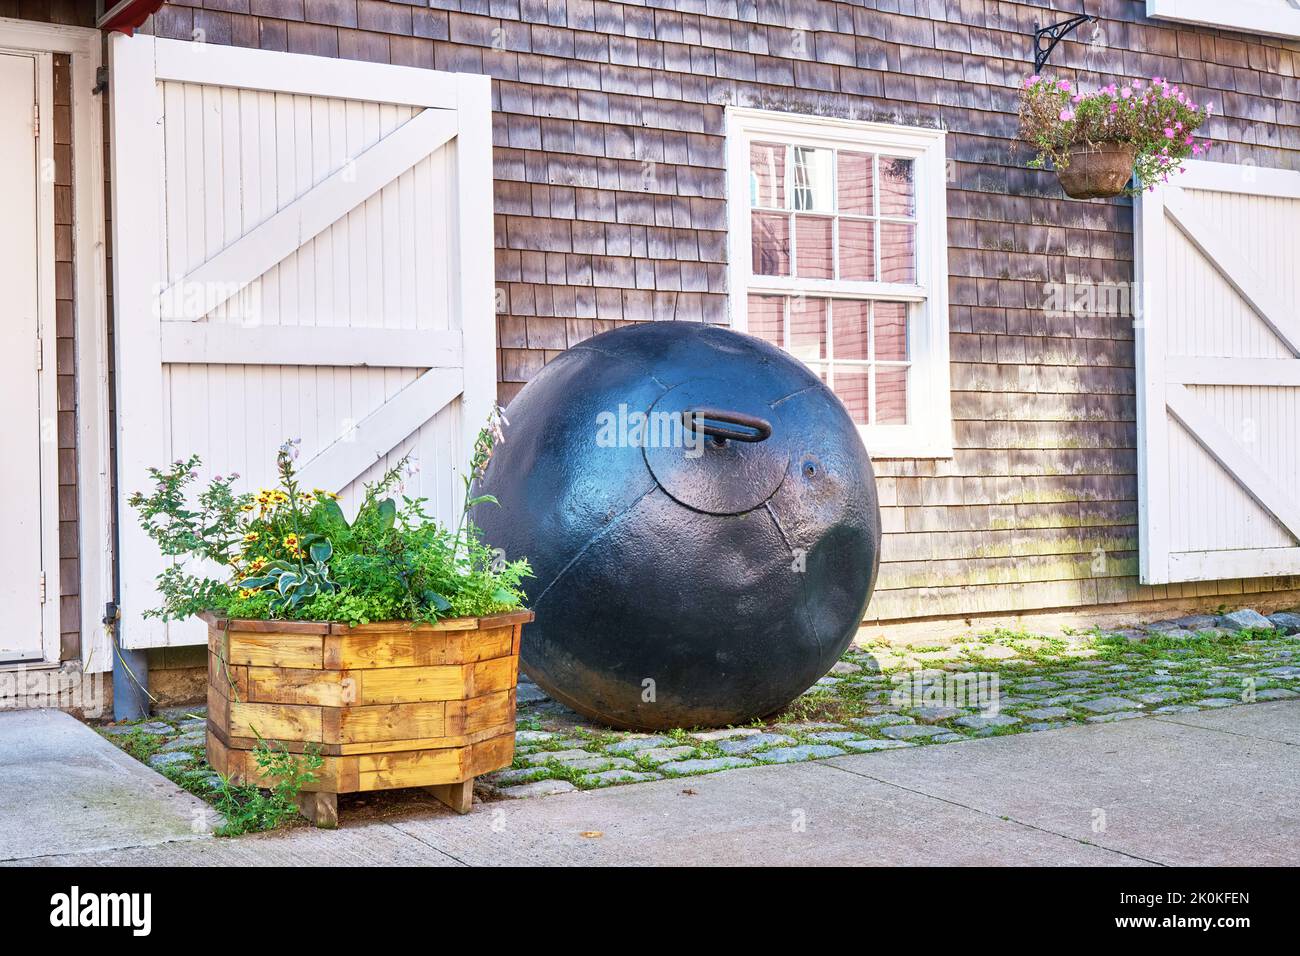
x: 290, y: 553
x: 1156, y: 121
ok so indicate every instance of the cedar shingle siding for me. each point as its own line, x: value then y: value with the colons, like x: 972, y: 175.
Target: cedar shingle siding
x: 69, y: 578
x: 610, y: 207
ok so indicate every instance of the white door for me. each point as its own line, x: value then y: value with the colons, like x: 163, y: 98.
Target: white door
x: 303, y: 251
x: 1218, y: 352
x: 21, y: 564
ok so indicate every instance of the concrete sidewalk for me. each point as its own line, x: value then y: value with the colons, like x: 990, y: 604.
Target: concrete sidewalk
x: 65, y: 789
x: 1217, y: 787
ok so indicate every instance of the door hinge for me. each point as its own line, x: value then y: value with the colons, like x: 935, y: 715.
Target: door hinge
x: 42, y: 587
x: 40, y: 354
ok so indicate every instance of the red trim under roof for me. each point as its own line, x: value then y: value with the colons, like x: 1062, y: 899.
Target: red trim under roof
x: 127, y: 15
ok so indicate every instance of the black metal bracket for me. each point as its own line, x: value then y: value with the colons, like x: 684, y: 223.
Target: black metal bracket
x: 1046, y: 38
x: 101, y: 80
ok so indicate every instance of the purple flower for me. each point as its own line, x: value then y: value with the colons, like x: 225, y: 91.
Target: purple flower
x: 1126, y: 92
x: 1063, y: 85
x: 1067, y: 114
x: 1169, y: 133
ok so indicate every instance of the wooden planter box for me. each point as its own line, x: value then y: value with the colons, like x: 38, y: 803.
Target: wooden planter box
x: 386, y: 705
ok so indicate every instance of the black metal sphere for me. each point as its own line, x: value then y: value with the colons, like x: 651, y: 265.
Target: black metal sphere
x: 683, y: 579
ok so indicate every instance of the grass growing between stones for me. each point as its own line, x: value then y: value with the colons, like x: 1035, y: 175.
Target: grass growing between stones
x: 1043, y: 682
x: 175, y: 746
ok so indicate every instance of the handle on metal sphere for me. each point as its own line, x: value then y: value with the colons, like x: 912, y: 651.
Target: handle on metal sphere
x: 715, y: 421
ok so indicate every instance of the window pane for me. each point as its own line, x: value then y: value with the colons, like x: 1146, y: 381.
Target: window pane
x: 855, y: 186
x: 858, y: 249
x: 897, y: 190
x: 812, y: 244
x: 897, y: 252
x: 891, y: 332
x: 808, y: 328
x: 767, y: 175
x: 767, y: 318
x: 891, y: 395
x: 851, y: 385
x: 771, y: 240
x: 850, y: 320
x: 812, y: 186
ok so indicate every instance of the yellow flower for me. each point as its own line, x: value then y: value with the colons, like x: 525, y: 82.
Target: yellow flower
x: 257, y: 564
x: 247, y: 507
x: 251, y: 537
x: 245, y: 593
x: 322, y: 494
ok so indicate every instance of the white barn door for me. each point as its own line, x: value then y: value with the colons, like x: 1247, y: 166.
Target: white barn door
x: 303, y: 251
x: 1218, y: 356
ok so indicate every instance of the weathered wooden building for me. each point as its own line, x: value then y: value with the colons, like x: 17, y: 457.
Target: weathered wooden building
x: 1072, y: 406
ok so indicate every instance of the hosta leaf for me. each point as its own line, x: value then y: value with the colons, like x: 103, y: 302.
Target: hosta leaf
x: 321, y: 551
x: 436, y: 600
x: 334, y: 512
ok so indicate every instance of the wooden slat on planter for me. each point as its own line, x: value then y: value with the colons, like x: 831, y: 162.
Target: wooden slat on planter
x: 486, y: 677
x: 266, y: 649
x: 391, y: 685
x: 407, y: 647
x: 468, y: 716
x: 290, y: 685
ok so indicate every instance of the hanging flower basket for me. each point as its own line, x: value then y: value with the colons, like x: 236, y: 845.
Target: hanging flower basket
x: 1098, y: 171
x: 1097, y: 142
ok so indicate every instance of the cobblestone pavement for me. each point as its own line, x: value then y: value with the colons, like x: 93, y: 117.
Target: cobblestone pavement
x: 878, y: 697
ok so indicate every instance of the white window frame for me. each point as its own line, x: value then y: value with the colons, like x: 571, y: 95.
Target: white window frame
x: 928, y: 433
x: 1281, y: 20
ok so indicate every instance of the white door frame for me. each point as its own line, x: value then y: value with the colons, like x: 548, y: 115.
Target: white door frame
x: 1160, y: 383
x: 83, y: 45
x: 161, y: 314
x: 42, y: 262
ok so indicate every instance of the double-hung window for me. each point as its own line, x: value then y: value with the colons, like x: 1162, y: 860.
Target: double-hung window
x: 839, y: 257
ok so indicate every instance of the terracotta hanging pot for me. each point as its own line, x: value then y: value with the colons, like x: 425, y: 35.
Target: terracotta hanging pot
x: 1099, y: 171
